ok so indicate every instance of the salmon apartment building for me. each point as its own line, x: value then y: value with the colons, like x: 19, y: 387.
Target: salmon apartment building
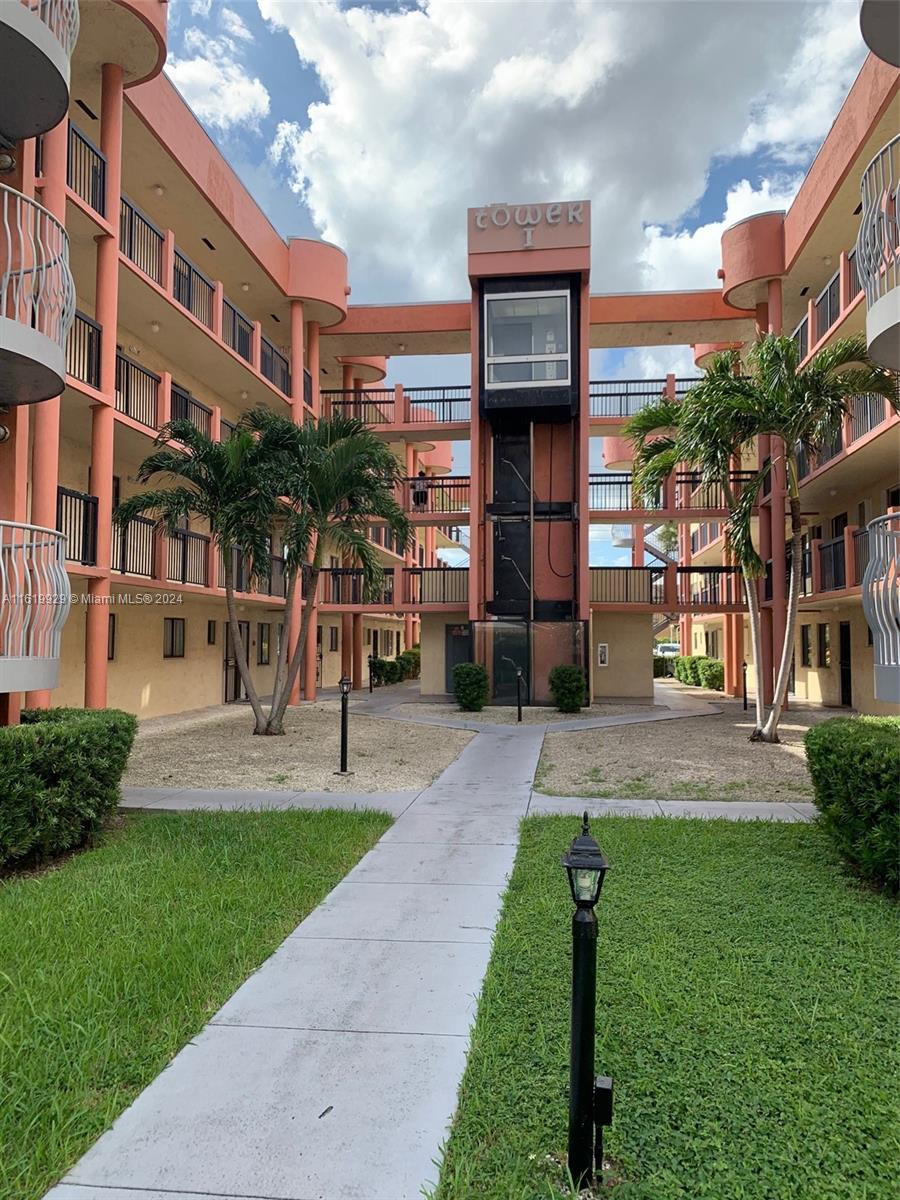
x: 139, y: 281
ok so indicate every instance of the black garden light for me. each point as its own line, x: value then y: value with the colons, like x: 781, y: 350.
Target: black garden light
x: 590, y: 1100
x: 519, y: 682
x: 345, y: 684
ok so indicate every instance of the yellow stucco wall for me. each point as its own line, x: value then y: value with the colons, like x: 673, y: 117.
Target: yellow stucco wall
x: 630, y: 670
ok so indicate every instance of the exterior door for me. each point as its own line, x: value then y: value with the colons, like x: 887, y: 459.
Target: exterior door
x: 457, y: 649
x: 234, y: 687
x: 845, y: 665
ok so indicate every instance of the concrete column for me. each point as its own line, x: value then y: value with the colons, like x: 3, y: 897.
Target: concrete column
x: 850, y: 557
x: 347, y: 377
x: 357, y: 674
x: 102, y: 422
x: 728, y: 653
x: 297, y: 416
x: 45, y: 449
x: 775, y: 306
x: 762, y: 319
x: 312, y: 363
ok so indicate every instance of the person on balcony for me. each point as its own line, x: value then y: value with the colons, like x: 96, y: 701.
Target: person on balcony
x: 420, y: 493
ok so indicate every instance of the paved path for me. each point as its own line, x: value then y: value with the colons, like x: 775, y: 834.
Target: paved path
x: 332, y: 1073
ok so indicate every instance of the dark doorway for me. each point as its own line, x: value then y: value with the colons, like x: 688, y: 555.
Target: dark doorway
x: 374, y: 643
x: 457, y: 649
x: 234, y: 687
x: 845, y: 665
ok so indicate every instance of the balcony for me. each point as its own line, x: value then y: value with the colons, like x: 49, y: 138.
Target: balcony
x: 878, y: 254
x: 445, y: 495
x: 881, y: 603
x: 134, y: 547
x: 186, y: 407
x: 86, y: 171
x: 83, y: 350
x: 612, y: 491
x: 188, y: 558
x: 137, y: 392
x: 237, y: 330
x: 418, y: 406
x: 35, y: 597
x: 276, y: 368
x: 628, y: 585
x: 76, y: 518
x: 141, y: 241
x: 37, y: 38
x: 712, y: 588
x: 832, y: 565
x: 37, y: 300
x: 193, y: 290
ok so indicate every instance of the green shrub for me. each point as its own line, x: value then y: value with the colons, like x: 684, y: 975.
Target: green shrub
x: 855, y: 767
x: 470, y: 686
x: 712, y: 673
x: 694, y: 664
x: 59, y: 778
x: 392, y: 671
x: 662, y: 667
x: 681, y: 669
x: 410, y: 663
x: 376, y: 669
x: 568, y: 687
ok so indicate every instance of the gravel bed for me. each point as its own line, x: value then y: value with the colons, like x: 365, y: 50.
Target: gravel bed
x: 218, y: 749
x: 501, y: 714
x: 694, y: 758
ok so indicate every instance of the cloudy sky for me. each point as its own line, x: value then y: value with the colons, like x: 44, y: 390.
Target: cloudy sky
x: 375, y: 126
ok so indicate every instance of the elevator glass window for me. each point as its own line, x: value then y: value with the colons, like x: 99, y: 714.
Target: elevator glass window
x: 527, y: 339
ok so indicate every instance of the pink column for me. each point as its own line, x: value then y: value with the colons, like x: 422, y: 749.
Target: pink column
x: 357, y: 650
x: 637, y: 549
x: 775, y: 306
x: 850, y: 557
x: 102, y: 423
x: 297, y: 363
x: 346, y: 644
x: 347, y: 377
x: 312, y: 354
x: 45, y: 449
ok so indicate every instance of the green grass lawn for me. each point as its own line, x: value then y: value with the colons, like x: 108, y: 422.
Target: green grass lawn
x: 747, y: 1011
x: 111, y: 962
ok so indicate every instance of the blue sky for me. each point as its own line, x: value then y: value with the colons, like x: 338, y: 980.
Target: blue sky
x: 375, y: 126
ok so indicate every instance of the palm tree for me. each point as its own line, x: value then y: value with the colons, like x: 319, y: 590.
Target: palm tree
x: 231, y: 486
x: 335, y: 475
x: 721, y: 418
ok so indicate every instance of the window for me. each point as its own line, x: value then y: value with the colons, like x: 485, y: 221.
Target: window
x: 210, y: 633
x: 838, y: 524
x: 527, y: 339
x: 711, y: 647
x: 397, y: 651
x: 332, y: 637
x: 805, y: 645
x: 263, y: 639
x: 893, y: 497
x: 368, y: 637
x: 173, y: 637
x: 111, y: 638
x: 824, y: 633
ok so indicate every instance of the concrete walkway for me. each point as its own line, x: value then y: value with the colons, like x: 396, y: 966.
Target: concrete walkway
x: 332, y: 1073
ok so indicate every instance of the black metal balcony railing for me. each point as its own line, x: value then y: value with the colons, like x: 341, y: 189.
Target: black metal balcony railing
x: 375, y: 406
x: 709, y: 587
x: 193, y: 290
x: 860, y: 554
x: 226, y: 429
x: 438, y: 405
x: 831, y: 450
x: 803, y: 466
x: 623, y: 397
x: 628, y: 585
x: 437, y: 585
x: 805, y: 571
x: 134, y: 547
x: 274, y: 582
x: 83, y: 350
x: 275, y: 367
x: 801, y: 337
x: 854, y: 286
x: 137, y: 392
x: 140, y: 240
x: 832, y: 565
x: 86, y: 173
x: 866, y: 411
x: 307, y: 388
x: 447, y: 494
x: 76, y: 517
x: 692, y: 492
x: 237, y: 331
x: 188, y: 557
x: 767, y: 580
x: 344, y: 585
x: 828, y: 305
x: 186, y: 408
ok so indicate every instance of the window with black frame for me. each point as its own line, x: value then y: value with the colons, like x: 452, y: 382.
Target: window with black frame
x: 527, y: 340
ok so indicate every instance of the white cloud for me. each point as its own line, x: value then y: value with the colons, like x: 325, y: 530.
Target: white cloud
x: 200, y: 8
x: 234, y: 26
x: 215, y: 82
x: 452, y: 103
x: 692, y: 257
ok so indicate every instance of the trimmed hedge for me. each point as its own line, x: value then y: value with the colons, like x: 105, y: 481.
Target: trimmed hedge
x: 568, y: 687
x: 411, y: 663
x: 470, y: 685
x: 59, y: 778
x: 662, y: 667
x: 855, y: 767
x: 712, y: 674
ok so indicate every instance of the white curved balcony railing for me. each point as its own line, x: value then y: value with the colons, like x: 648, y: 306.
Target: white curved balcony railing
x: 37, y: 300
x: 34, y: 603
x: 61, y: 17
x: 878, y: 253
x: 881, y: 603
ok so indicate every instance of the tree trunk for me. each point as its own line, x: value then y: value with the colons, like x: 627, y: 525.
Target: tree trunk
x: 770, y: 730
x: 750, y: 585
x: 276, y: 716
x: 287, y: 628
x: 237, y: 645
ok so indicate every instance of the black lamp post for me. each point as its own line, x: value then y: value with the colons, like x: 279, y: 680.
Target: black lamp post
x: 744, y: 675
x: 590, y: 1101
x: 519, y: 693
x: 344, y: 684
